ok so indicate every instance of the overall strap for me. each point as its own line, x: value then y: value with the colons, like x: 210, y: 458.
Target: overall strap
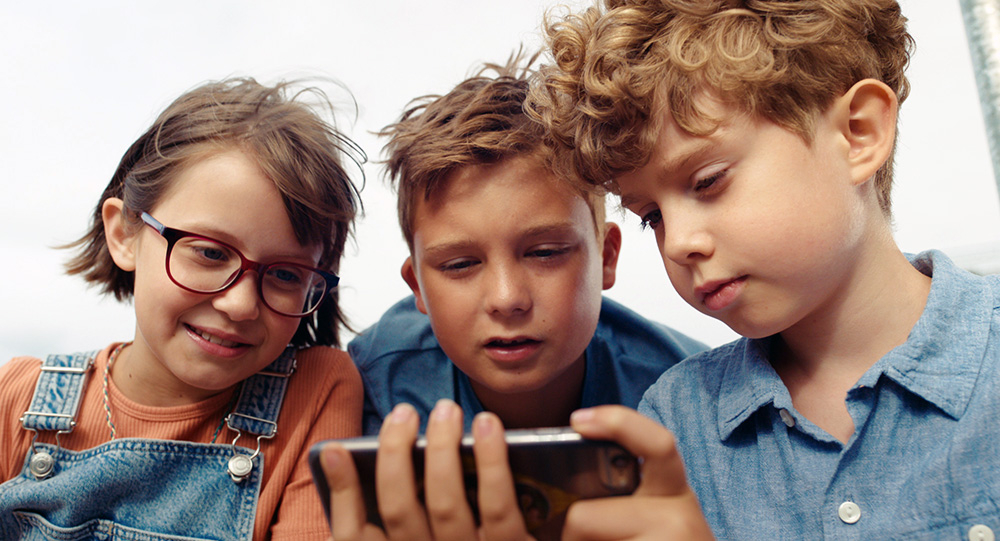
x: 58, y: 392
x: 256, y: 411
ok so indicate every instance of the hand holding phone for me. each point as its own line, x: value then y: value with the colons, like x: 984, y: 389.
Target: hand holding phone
x: 662, y: 507
x: 550, y: 469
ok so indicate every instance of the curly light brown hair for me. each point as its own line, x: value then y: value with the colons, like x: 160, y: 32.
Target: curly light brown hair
x: 617, y: 66
x: 288, y: 138
x: 480, y: 121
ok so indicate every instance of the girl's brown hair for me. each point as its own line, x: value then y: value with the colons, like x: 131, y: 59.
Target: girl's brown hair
x: 303, y: 154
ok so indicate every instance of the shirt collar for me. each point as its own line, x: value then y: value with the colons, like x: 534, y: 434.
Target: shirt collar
x: 942, y: 358
x: 748, y: 384
x: 940, y: 361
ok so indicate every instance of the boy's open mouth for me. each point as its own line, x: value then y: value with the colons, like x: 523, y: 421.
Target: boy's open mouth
x: 512, y: 343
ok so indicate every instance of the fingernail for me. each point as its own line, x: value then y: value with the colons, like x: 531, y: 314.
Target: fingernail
x: 401, y: 413
x: 582, y: 416
x: 444, y: 409
x: 483, y: 425
x: 331, y: 458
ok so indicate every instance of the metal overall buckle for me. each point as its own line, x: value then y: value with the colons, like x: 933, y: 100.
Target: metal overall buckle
x: 42, y: 463
x: 241, y: 465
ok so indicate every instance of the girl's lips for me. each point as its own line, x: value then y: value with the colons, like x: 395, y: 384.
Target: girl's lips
x: 219, y: 345
x: 719, y: 295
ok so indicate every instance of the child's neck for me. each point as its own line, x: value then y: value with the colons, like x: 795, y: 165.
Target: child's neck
x: 822, y: 357
x: 548, y: 406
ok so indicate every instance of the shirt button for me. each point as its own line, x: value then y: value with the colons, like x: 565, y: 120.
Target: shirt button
x: 849, y: 512
x: 787, y: 418
x: 981, y: 532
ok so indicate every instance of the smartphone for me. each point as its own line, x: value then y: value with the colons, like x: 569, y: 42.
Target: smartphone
x: 552, y: 468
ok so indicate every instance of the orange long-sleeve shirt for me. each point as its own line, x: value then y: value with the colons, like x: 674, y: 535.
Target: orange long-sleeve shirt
x: 322, y: 401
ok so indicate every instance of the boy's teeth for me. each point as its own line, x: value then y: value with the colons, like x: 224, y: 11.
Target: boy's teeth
x: 507, y: 342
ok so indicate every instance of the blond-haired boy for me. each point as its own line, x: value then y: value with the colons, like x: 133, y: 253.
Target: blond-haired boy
x: 755, y: 139
x: 507, y: 264
x: 508, y: 261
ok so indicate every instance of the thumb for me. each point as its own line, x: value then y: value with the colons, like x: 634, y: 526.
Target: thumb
x: 662, y: 467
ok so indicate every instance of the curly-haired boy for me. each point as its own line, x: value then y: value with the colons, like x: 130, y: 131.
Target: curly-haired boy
x: 755, y: 138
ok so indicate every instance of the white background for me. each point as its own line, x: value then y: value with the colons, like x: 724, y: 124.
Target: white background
x: 79, y: 82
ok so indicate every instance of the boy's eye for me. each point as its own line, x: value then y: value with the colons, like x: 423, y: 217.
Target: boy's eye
x: 705, y: 184
x: 457, y: 265
x: 650, y: 220
x: 548, y: 252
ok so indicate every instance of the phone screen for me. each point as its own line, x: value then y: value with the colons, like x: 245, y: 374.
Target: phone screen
x: 552, y: 468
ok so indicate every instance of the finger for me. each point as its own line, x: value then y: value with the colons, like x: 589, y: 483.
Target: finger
x: 662, y: 470
x: 499, y: 513
x: 347, y: 506
x: 447, y: 507
x: 643, y: 517
x: 602, y: 520
x: 402, y: 514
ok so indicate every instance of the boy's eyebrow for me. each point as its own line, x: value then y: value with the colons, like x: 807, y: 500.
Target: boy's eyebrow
x: 447, y: 246
x: 545, y: 229
x: 465, y: 244
x: 694, y: 151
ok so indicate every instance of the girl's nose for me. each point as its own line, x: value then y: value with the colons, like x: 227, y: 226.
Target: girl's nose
x: 241, y: 302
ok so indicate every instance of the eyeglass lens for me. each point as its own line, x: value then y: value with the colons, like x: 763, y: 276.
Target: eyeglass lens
x: 206, y: 266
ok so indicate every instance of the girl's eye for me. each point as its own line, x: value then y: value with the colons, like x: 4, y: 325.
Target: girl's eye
x: 213, y: 254
x: 285, y: 275
x: 650, y: 220
x: 705, y: 184
x: 203, y: 252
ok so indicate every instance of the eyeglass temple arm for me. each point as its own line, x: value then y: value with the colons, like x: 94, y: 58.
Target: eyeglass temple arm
x: 153, y: 222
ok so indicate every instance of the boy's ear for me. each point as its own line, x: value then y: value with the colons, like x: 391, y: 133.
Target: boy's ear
x: 117, y: 234
x: 409, y: 275
x: 612, y: 248
x: 867, y: 119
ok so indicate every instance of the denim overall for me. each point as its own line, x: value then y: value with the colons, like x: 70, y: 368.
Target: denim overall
x: 133, y: 488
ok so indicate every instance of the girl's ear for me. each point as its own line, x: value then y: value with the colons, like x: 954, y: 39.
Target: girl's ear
x: 868, y: 121
x: 410, y: 277
x: 118, y: 235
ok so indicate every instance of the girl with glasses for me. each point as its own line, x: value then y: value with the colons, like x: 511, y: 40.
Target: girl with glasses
x: 224, y: 224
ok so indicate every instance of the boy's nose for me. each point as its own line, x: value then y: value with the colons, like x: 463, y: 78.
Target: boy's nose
x: 507, y: 292
x: 685, y: 240
x: 241, y: 301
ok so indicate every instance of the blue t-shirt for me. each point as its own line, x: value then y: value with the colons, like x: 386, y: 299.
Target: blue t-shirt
x: 400, y: 360
x: 923, y: 462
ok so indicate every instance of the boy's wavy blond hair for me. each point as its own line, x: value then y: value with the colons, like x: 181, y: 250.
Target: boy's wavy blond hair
x: 616, y: 67
x: 480, y: 121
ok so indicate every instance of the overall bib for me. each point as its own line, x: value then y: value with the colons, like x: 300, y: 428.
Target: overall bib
x: 138, y: 489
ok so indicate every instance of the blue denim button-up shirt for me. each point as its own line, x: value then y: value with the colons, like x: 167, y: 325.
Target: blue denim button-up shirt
x: 400, y: 360
x: 923, y: 462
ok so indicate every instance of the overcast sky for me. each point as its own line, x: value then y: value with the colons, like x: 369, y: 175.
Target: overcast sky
x: 79, y: 82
